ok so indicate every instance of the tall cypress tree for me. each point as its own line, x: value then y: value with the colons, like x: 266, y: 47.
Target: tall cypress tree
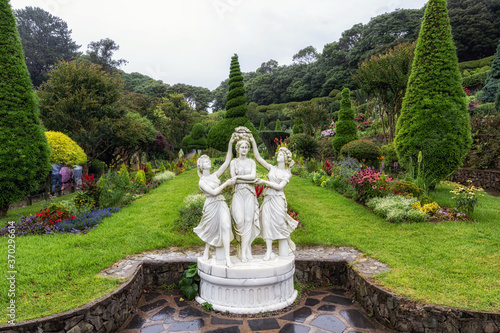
x: 434, y: 117
x: 236, y: 110
x: 489, y: 91
x: 24, y: 151
x: 345, y: 128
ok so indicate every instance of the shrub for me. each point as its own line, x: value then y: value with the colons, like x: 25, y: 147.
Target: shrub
x: 497, y: 101
x: 113, y: 187
x: 465, y: 198
x: 429, y: 208
x: 325, y: 148
x: 304, y: 145
x: 475, y: 81
x: 149, y: 172
x: 125, y: 177
x: 91, y: 190
x: 24, y: 151
x: 490, y: 88
x: 369, y: 183
x: 164, y: 176
x: 191, y: 211
x: 485, y: 150
x: 434, y: 117
x: 396, y: 209
x: 484, y: 109
x: 345, y: 127
x: 390, y: 156
x: 295, y: 129
x: 140, y: 177
x: 197, y: 139
x: 406, y: 188
x: 162, y: 168
x: 63, y: 150
x: 97, y: 167
x: 363, y: 150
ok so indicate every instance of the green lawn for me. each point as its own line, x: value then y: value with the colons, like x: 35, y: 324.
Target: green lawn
x: 454, y: 264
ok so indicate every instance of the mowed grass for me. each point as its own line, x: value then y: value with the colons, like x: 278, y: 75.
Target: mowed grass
x: 449, y: 263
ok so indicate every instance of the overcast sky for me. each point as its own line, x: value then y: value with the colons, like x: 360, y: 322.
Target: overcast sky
x: 192, y: 41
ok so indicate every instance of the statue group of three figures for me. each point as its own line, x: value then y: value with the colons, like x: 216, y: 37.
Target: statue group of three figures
x: 245, y: 221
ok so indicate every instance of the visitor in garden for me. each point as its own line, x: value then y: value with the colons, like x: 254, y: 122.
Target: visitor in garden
x: 77, y: 175
x: 276, y: 224
x: 66, y: 176
x: 56, y: 177
x: 215, y: 225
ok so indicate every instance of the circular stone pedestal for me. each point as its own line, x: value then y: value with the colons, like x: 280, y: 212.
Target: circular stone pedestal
x: 246, y: 288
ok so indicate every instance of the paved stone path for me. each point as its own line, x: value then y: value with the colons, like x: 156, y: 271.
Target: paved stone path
x: 319, y: 311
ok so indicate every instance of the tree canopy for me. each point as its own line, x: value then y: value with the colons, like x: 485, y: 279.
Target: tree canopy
x: 46, y: 39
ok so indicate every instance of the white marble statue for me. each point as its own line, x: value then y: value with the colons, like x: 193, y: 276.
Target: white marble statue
x: 276, y: 224
x: 244, y: 204
x: 215, y: 225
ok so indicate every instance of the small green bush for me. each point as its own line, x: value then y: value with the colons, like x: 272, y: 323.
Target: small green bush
x: 164, y: 176
x: 363, y: 150
x: 475, y: 80
x: 149, y: 172
x: 125, y: 175
x: 140, y: 177
x: 390, y: 155
x: 325, y: 148
x: 162, y: 168
x: 406, y: 188
x: 396, y: 209
x: 191, y: 212
x: 304, y: 145
x: 485, y: 109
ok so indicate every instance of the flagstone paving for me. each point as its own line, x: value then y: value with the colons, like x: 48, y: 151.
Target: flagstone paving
x: 318, y: 311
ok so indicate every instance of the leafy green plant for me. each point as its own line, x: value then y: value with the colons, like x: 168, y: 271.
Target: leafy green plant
x: 164, y: 176
x: 149, y: 172
x: 140, y: 177
x: 396, y: 208
x: 363, y: 150
x: 465, y: 197
x: 406, y: 188
x: 207, y: 306
x: 191, y: 211
x: 304, y: 145
x: 189, y: 282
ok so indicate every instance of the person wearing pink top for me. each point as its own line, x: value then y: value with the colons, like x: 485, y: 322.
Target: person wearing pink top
x: 66, y: 176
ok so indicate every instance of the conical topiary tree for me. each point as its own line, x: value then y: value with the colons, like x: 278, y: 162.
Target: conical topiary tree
x: 434, y: 118
x: 278, y: 125
x: 489, y: 91
x: 24, y: 151
x: 345, y: 128
x: 261, y: 126
x: 236, y: 109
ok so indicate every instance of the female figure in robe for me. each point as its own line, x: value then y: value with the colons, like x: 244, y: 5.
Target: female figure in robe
x: 244, y: 205
x: 276, y: 224
x: 215, y: 225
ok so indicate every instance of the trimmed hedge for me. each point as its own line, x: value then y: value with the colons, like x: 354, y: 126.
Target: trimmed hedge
x: 268, y: 139
x: 63, y: 150
x: 363, y: 150
x: 345, y: 128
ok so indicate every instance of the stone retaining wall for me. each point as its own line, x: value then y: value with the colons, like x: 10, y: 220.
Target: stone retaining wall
x: 106, y: 314
x: 395, y: 312
x: 402, y: 315
x: 487, y: 179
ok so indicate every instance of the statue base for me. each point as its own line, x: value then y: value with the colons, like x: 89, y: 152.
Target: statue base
x: 247, y: 288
